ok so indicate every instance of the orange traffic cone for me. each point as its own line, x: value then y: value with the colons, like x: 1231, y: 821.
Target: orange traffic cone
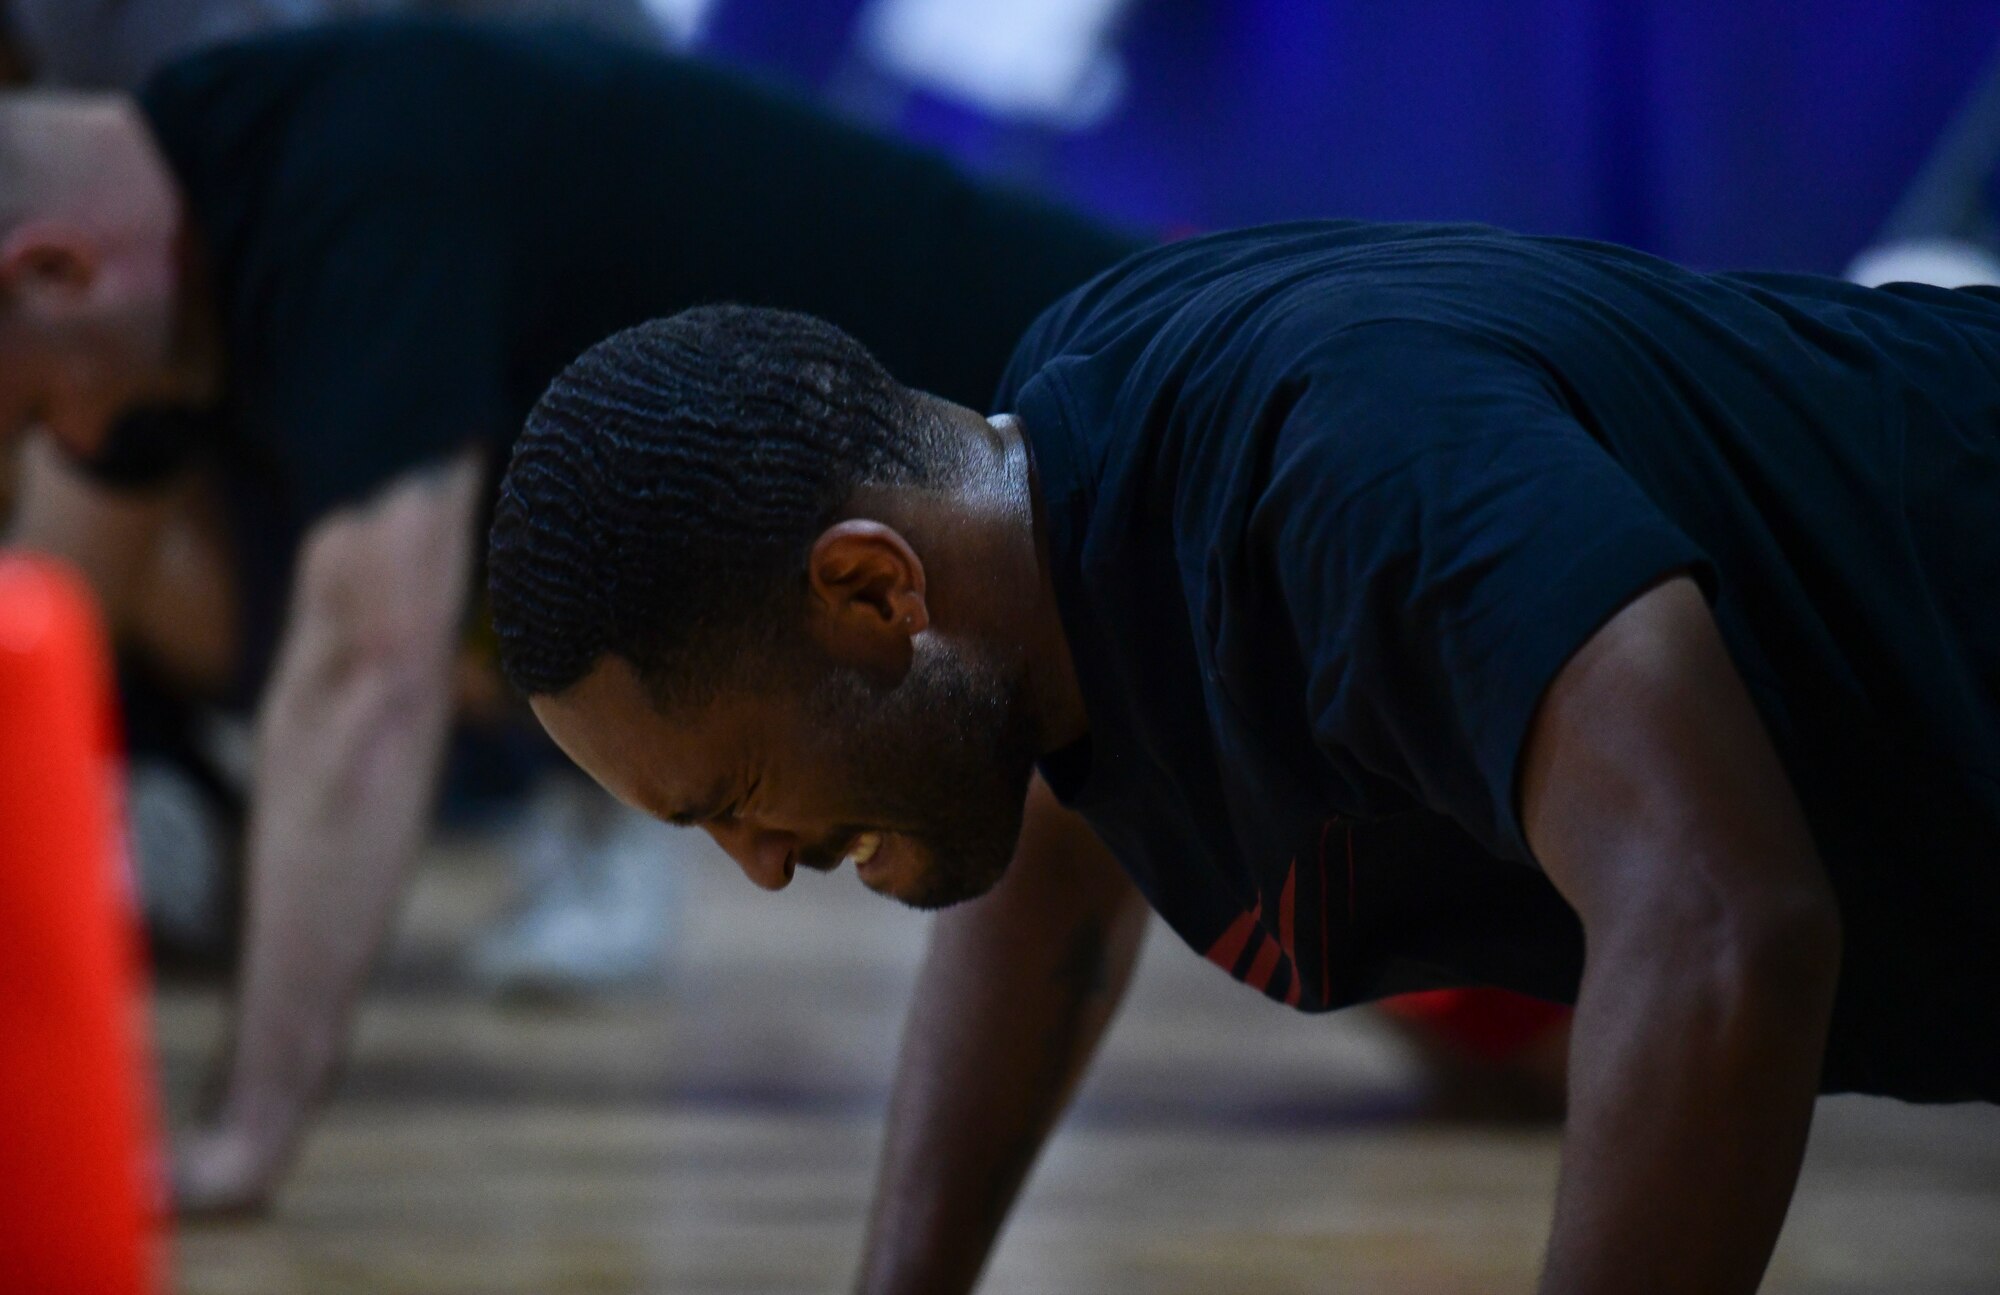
x: 79, y: 1165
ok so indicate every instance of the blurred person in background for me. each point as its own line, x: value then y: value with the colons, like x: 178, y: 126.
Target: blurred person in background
x: 325, y: 274
x: 577, y: 925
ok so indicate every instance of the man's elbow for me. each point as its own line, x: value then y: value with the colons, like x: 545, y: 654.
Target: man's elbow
x: 1768, y: 960
x: 1789, y: 945
x: 1772, y: 948
x: 346, y: 669
x: 359, y: 623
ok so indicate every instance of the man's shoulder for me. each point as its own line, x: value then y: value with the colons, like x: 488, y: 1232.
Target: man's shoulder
x: 282, y: 140
x: 389, y: 85
x: 337, y: 52
x: 1320, y: 274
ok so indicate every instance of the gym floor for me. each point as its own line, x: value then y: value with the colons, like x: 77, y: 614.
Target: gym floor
x: 720, y: 1136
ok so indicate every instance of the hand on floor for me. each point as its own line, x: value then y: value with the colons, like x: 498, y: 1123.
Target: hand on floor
x: 222, y: 1173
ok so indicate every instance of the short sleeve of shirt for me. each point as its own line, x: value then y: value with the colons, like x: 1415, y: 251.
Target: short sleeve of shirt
x: 1445, y: 535
x: 384, y: 350
x: 1031, y: 353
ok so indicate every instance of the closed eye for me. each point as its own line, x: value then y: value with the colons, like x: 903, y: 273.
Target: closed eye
x: 704, y: 814
x: 734, y: 813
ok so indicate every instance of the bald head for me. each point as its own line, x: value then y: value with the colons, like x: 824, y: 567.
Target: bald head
x: 72, y: 155
x: 90, y: 225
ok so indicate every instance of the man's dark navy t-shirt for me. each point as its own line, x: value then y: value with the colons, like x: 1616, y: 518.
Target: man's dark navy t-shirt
x: 412, y: 226
x: 1330, y: 505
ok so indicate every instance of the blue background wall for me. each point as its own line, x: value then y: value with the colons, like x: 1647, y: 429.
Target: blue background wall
x: 1759, y: 133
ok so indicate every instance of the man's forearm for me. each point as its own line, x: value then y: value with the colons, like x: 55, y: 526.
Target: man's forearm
x: 350, y: 735
x: 1655, y: 799
x: 1015, y: 994
x: 1692, y: 1089
x: 347, y: 763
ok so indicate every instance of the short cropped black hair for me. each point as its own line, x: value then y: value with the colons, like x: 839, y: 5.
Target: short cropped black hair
x: 662, y: 501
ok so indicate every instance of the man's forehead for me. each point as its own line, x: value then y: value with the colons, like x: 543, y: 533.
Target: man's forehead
x: 607, y: 723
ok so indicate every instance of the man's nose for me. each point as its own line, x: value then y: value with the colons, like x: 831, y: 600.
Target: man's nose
x: 767, y: 858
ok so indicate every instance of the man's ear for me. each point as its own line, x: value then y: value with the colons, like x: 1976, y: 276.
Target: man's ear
x: 39, y: 258
x: 866, y: 595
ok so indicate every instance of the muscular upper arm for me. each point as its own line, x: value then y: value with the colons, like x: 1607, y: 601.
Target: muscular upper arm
x: 1649, y: 789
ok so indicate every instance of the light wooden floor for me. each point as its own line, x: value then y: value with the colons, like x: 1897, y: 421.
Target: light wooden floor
x: 721, y: 1138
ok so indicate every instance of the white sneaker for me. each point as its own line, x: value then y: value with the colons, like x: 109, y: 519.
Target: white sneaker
x: 597, y: 894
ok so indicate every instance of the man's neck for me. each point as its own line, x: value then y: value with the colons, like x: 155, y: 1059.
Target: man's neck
x: 1057, y: 698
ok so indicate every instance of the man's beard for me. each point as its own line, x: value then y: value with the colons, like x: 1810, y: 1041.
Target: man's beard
x: 942, y: 760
